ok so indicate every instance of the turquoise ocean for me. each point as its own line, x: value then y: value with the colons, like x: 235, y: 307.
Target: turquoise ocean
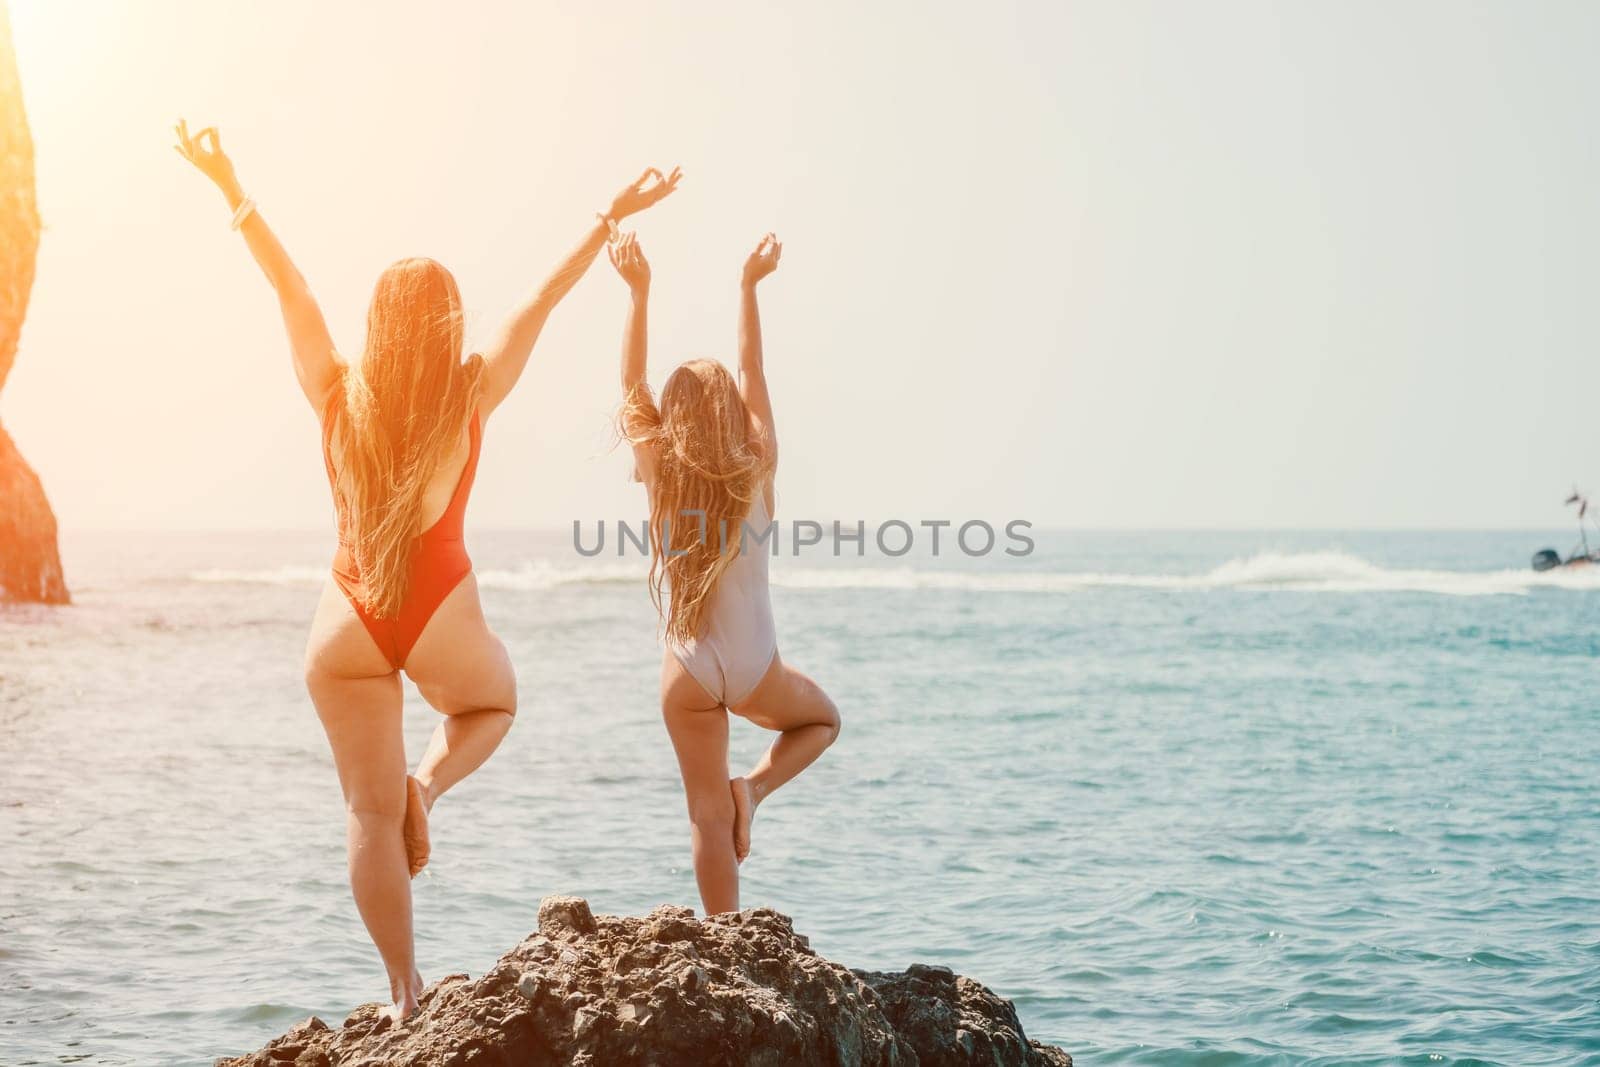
x: 1186, y: 798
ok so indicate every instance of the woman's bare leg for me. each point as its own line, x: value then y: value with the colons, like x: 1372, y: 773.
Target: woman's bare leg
x: 808, y: 722
x: 699, y: 731
x: 460, y: 745
x: 462, y: 669
x: 358, y: 700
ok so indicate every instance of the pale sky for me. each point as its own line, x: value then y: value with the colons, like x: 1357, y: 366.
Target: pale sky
x: 1093, y: 265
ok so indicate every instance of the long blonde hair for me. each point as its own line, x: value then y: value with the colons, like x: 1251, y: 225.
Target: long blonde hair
x: 706, y: 458
x: 405, y: 404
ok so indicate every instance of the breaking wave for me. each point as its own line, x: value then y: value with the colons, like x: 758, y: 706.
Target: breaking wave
x: 1304, y: 572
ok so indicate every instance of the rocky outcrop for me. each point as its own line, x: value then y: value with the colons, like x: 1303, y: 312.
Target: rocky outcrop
x: 19, y: 215
x: 668, y: 989
x: 30, y: 565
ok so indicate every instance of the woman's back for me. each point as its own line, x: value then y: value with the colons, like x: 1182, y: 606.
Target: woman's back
x: 438, y: 560
x: 441, y: 488
x: 738, y: 638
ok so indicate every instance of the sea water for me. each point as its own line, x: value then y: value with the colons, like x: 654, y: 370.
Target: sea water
x: 1220, y: 798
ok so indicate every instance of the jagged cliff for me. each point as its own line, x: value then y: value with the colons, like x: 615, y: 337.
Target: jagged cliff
x: 666, y: 990
x: 30, y: 564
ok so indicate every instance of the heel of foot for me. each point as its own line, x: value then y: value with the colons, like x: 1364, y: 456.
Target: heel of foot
x: 415, y: 826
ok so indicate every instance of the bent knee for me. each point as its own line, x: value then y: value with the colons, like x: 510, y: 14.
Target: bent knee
x: 501, y: 696
x: 502, y: 717
x: 454, y: 702
x: 451, y: 697
x: 504, y: 711
x: 829, y: 718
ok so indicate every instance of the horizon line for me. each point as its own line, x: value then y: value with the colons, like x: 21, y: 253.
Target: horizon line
x: 1036, y: 528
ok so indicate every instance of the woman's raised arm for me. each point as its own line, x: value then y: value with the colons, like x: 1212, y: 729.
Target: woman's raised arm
x: 505, y: 359
x: 634, y: 269
x: 316, y: 365
x: 752, y: 368
x: 628, y: 258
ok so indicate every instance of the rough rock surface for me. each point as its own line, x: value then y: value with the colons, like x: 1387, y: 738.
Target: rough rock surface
x: 30, y: 565
x: 669, y: 989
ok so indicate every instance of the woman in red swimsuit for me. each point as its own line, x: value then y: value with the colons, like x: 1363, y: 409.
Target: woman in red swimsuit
x: 401, y: 429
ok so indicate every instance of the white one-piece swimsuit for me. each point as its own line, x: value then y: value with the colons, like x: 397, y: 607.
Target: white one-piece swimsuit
x: 732, y: 656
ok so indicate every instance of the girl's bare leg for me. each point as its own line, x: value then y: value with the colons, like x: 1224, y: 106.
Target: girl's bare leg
x: 699, y: 731
x: 462, y: 669
x: 358, y: 700
x: 808, y: 722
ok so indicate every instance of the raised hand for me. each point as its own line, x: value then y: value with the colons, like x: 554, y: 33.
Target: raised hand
x: 628, y: 258
x: 204, y: 150
x: 650, y: 189
x: 763, y: 261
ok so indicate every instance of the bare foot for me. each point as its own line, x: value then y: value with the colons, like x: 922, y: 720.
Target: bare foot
x: 744, y: 812
x: 400, y: 1010
x: 415, y: 828
x: 405, y: 1000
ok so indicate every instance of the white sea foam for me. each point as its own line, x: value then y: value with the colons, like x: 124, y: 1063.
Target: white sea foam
x: 1304, y: 572
x: 543, y: 574
x: 1340, y: 572
x: 286, y: 575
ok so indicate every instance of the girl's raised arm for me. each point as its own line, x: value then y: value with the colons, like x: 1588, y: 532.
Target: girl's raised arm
x: 316, y: 365
x: 752, y: 372
x: 505, y: 359
x: 628, y: 258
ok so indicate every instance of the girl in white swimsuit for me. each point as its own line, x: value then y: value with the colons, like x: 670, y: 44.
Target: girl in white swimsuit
x: 707, y: 454
x: 733, y: 652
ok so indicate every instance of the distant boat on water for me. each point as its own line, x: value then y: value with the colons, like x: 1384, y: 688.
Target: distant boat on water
x: 1548, y: 559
